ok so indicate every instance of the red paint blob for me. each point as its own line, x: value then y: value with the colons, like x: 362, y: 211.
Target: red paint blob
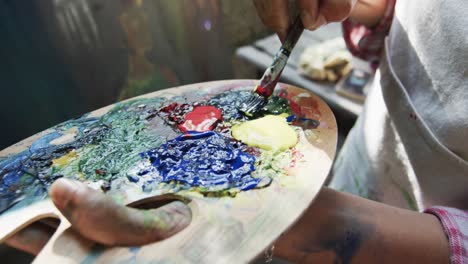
x: 296, y: 156
x: 201, y: 119
x: 295, y: 108
x: 302, y: 106
x: 174, y: 113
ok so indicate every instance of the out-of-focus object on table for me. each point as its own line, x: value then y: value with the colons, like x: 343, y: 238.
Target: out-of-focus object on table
x: 355, y: 84
x: 327, y: 61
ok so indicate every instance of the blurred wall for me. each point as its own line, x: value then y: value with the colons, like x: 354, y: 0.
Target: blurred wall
x: 62, y: 58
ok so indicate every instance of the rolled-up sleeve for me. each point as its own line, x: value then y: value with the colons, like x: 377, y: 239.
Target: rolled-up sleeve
x: 364, y: 42
x: 455, y: 225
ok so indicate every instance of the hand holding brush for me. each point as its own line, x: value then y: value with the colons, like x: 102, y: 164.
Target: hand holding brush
x: 270, y: 78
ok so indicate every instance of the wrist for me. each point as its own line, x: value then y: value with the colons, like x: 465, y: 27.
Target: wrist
x: 344, y: 228
x: 333, y: 228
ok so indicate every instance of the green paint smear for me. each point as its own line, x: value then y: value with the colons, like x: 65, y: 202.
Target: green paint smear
x: 360, y: 190
x: 276, y: 105
x: 410, y: 201
x: 120, y: 148
x: 271, y: 164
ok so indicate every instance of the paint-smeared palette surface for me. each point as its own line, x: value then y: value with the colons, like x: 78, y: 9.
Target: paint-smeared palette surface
x: 194, y: 141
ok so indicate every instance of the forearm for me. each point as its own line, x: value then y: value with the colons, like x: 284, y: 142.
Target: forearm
x: 368, y: 12
x: 342, y: 228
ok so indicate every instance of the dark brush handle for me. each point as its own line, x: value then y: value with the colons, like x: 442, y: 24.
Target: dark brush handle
x: 293, y: 36
x: 273, y: 73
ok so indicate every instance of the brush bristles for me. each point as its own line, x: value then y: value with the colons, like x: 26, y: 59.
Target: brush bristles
x: 253, y: 104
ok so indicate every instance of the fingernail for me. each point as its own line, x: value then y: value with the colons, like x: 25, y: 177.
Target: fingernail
x: 307, y: 19
x: 181, y: 213
x: 321, y: 21
x: 62, y: 190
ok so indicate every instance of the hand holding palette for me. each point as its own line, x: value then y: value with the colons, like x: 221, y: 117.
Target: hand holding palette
x: 246, y: 179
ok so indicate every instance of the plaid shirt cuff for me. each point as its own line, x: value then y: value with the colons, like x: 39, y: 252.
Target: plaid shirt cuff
x: 455, y: 224
x: 364, y: 42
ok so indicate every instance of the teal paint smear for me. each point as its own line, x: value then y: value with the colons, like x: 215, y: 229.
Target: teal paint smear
x: 109, y: 144
x: 360, y: 190
x: 119, y: 149
x: 96, y: 252
x: 133, y: 256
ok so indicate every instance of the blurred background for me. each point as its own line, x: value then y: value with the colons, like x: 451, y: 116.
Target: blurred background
x: 60, y: 59
x: 63, y: 58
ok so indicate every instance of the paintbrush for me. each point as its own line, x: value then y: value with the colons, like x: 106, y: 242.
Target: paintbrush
x: 264, y: 90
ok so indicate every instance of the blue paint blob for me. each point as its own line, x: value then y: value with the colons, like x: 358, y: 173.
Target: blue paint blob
x: 134, y: 250
x: 290, y: 118
x: 133, y: 178
x: 305, y: 123
x: 44, y: 141
x: 15, y: 172
x: 205, y: 160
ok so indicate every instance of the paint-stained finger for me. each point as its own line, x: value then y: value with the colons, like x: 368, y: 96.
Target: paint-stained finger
x: 275, y: 15
x: 97, y: 217
x: 32, y: 238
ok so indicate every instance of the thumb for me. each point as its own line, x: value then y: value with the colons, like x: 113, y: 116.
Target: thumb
x: 98, y: 218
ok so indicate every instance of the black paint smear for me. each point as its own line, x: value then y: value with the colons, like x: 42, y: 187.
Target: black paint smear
x: 346, y: 247
x: 344, y: 238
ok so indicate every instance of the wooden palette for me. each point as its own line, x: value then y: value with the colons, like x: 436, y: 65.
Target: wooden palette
x: 223, y: 229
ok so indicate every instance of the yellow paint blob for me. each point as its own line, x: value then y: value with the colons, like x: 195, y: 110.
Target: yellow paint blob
x: 65, y: 159
x: 269, y: 132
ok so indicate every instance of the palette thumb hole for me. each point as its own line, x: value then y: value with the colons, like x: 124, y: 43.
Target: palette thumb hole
x: 158, y: 201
